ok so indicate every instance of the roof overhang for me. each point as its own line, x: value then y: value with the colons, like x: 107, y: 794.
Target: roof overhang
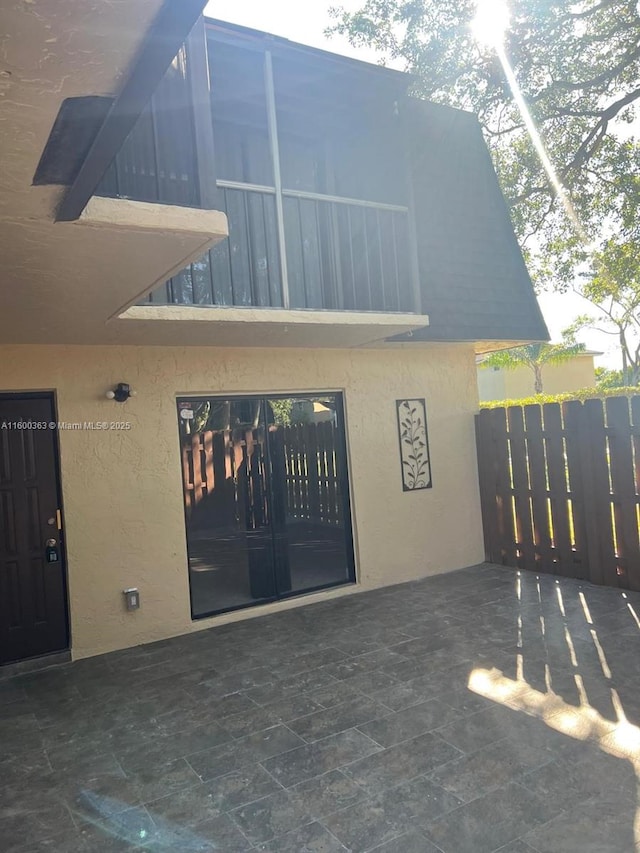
x: 64, y: 280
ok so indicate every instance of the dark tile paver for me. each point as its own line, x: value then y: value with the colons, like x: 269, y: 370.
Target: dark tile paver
x: 585, y: 829
x: 222, y: 834
x: 411, y: 842
x: 349, y: 725
x: 328, y: 793
x: 400, y: 763
x: 490, y: 821
x: 271, y: 816
x: 312, y: 838
x: 516, y: 847
x: 408, y: 723
x: 234, y: 754
x: 491, y: 767
x: 337, y: 718
x: 317, y: 758
x: 365, y: 825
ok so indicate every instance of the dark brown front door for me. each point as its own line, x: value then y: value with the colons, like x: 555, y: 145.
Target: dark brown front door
x: 33, y: 603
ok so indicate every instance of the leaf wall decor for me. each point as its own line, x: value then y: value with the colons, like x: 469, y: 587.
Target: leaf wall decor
x: 415, y: 461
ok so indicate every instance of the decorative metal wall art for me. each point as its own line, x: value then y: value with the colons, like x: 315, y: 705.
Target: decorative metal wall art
x: 414, y: 444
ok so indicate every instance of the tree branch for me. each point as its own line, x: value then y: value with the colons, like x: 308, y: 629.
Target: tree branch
x: 575, y: 16
x: 591, y: 141
x: 605, y: 77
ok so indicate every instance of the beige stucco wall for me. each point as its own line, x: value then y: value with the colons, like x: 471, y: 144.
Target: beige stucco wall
x: 122, y: 490
x: 557, y: 379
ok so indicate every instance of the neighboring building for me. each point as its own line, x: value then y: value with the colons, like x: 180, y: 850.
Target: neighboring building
x: 370, y: 257
x: 496, y: 383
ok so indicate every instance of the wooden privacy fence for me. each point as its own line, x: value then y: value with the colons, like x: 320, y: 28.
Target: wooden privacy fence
x: 312, y: 476
x: 560, y: 488
x: 225, y: 477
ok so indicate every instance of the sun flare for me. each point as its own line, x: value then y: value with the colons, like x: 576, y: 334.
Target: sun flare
x: 491, y: 22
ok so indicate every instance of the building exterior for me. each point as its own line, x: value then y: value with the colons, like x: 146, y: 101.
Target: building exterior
x: 288, y: 261
x: 495, y: 383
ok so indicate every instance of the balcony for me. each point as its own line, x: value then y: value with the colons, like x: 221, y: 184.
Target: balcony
x: 311, y: 172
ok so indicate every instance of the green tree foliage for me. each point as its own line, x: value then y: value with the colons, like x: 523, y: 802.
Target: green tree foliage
x: 535, y: 357
x: 612, y: 286
x: 607, y: 379
x: 281, y: 410
x: 579, y: 67
x: 582, y: 395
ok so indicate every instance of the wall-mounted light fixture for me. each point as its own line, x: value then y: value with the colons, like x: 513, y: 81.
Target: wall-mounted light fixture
x: 120, y: 393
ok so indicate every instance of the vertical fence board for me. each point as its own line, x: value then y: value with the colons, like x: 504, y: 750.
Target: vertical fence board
x: 635, y: 417
x: 196, y: 455
x: 521, y: 491
x: 324, y: 473
x: 207, y: 442
x: 504, y: 500
x: 313, y: 448
x: 558, y: 488
x: 332, y: 479
x: 572, y: 415
x: 304, y: 470
x: 487, y: 479
x: 538, y: 478
x: 597, y: 438
x: 624, y: 490
x: 187, y: 477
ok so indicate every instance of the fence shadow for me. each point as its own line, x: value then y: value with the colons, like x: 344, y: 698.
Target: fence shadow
x: 574, y: 667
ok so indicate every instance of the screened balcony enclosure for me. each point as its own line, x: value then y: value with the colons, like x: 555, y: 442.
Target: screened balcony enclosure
x: 310, y: 168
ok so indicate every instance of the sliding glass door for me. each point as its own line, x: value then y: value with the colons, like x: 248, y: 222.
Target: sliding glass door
x: 266, y: 498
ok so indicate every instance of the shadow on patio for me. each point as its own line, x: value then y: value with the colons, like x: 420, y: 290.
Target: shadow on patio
x: 473, y: 712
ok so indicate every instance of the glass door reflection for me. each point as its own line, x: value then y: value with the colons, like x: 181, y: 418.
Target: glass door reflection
x: 311, y: 520
x: 266, y: 498
x: 227, y: 510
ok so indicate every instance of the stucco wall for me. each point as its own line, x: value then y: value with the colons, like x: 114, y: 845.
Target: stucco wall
x: 557, y: 379
x: 122, y: 490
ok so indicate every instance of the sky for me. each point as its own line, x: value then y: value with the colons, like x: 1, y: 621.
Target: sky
x: 305, y: 22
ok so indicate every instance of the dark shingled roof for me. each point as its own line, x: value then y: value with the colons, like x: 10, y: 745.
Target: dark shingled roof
x: 474, y: 282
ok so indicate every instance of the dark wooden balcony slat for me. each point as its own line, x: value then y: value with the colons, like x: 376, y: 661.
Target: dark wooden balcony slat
x: 374, y: 259
x: 389, y: 271
x: 345, y: 255
x: 220, y: 260
x: 239, y: 248
x: 260, y: 251
x: 293, y: 240
x: 312, y: 269
x: 182, y: 287
x: 361, y: 286
x: 201, y: 278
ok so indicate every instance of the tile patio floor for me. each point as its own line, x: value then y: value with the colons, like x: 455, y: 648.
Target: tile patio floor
x: 344, y: 726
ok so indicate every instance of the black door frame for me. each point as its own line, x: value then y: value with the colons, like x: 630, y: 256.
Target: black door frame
x: 50, y: 397
x: 344, y: 490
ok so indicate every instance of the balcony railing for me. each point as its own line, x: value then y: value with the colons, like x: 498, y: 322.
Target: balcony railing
x: 341, y: 254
